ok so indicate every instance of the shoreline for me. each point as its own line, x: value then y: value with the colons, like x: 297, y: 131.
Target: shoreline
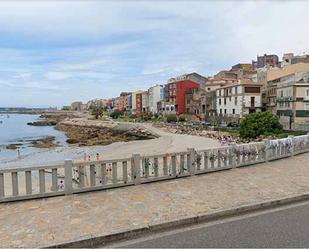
x: 165, y: 142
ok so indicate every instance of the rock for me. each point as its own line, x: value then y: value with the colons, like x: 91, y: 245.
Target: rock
x: 12, y: 146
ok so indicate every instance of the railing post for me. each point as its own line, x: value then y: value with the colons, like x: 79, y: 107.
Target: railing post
x: 15, y: 191
x: 54, y: 180
x: 266, y: 153
x: 137, y: 168
x: 42, y: 180
x: 232, y: 155
x: 174, y: 173
x: 191, y: 161
x: 124, y: 172
x: 156, y: 167
x: 68, y: 187
x: 292, y: 145
x: 1, y: 185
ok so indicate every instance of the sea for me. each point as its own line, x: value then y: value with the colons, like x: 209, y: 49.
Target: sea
x: 14, y: 130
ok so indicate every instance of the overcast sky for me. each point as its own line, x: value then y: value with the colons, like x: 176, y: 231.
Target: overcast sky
x: 56, y: 52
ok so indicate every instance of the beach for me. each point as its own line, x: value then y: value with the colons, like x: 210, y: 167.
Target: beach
x: 165, y: 142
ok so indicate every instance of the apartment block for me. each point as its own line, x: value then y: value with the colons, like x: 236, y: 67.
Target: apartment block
x: 238, y: 99
x: 293, y: 101
x: 156, y: 94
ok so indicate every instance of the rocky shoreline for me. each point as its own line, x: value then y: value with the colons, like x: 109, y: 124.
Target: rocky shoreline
x: 45, y: 142
x: 82, y: 130
x: 93, y: 135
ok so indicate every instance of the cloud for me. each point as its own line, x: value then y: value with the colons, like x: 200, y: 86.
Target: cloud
x: 60, y: 51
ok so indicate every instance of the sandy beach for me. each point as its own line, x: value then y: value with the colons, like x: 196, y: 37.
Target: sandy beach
x: 165, y: 143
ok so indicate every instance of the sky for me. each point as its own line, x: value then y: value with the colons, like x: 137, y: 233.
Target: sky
x: 55, y: 52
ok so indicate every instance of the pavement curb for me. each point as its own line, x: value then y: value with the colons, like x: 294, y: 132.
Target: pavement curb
x: 100, y: 240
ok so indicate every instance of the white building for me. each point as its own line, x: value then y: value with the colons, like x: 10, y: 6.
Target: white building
x: 155, y: 95
x: 238, y: 99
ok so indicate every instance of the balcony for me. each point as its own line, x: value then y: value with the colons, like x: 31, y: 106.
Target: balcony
x: 306, y: 98
x: 284, y: 99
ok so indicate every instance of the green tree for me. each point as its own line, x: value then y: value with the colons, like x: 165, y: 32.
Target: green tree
x: 97, y: 112
x: 116, y: 114
x: 171, y: 118
x: 181, y: 118
x: 259, y: 123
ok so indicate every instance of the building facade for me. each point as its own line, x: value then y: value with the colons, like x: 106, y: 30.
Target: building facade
x: 176, y: 95
x: 270, y: 60
x: 293, y: 100
x: 156, y: 94
x: 196, y: 103
x: 238, y: 99
x: 269, y: 78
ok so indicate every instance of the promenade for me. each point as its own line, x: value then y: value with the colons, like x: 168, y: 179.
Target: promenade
x: 56, y: 220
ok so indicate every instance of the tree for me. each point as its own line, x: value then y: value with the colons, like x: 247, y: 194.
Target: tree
x: 182, y: 118
x: 171, y: 118
x: 116, y: 114
x: 259, y: 123
x: 97, y: 112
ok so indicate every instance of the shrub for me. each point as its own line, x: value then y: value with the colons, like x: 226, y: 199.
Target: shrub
x: 259, y: 123
x: 116, y: 114
x: 182, y: 118
x: 171, y: 118
x: 132, y: 116
x: 97, y: 112
x: 146, y: 116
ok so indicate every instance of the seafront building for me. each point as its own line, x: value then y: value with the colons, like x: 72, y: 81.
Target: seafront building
x: 242, y: 89
x: 293, y: 101
x: 156, y: 95
x: 269, y: 78
x: 177, y: 89
x: 238, y: 99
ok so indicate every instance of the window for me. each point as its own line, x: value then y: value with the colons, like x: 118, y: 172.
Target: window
x: 235, y: 101
x: 219, y: 101
x: 220, y: 111
x: 224, y: 111
x: 225, y: 101
x: 236, y: 90
x: 233, y: 111
x: 252, y: 101
x: 252, y: 89
x: 307, y: 92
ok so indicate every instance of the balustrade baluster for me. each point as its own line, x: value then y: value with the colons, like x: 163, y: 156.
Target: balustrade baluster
x: 103, y: 173
x: 114, y: 169
x: 28, y: 179
x: 146, y: 167
x: 165, y: 169
x: 156, y: 167
x: 54, y: 180
x: 205, y: 159
x: 14, y: 183
x: 92, y: 175
x: 1, y: 185
x: 81, y: 176
x: 182, y: 163
x: 174, y: 165
x: 125, y: 171
x: 42, y: 180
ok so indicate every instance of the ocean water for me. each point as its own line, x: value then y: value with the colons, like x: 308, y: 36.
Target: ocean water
x: 14, y: 129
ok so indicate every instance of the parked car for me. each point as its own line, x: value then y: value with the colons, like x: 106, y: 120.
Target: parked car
x: 195, y: 124
x: 222, y: 125
x: 232, y: 124
x: 205, y: 124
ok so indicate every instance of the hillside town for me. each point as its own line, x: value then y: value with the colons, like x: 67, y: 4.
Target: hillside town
x: 266, y: 84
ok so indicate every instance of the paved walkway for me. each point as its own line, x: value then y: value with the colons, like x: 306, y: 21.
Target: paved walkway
x: 59, y: 219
